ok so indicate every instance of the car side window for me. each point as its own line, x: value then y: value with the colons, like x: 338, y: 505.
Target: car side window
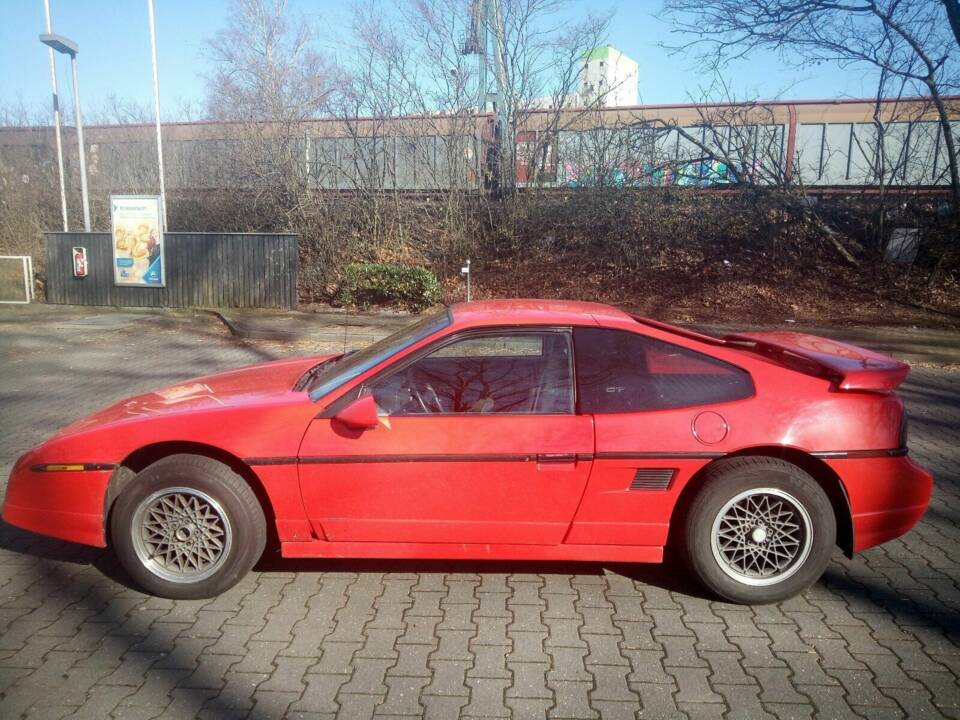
x: 500, y: 373
x: 620, y: 371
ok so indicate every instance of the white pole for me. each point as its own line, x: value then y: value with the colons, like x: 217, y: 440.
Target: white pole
x: 156, y: 104
x: 56, y: 119
x: 83, y: 154
x: 27, y: 279
x: 465, y: 270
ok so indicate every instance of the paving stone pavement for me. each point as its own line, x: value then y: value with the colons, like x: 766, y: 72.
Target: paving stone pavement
x: 877, y: 637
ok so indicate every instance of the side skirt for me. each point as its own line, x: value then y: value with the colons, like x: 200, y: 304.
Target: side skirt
x: 454, y: 551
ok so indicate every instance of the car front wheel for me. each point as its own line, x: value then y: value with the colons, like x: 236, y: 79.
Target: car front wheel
x: 187, y: 527
x: 759, y: 531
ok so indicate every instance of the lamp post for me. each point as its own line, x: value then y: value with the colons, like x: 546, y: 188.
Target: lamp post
x: 56, y: 120
x: 156, y: 105
x: 69, y: 47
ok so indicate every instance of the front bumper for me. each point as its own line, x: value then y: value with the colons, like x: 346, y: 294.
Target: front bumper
x: 68, y: 504
x: 887, y: 495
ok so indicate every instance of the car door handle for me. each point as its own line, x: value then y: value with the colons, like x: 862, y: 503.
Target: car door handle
x: 556, y: 458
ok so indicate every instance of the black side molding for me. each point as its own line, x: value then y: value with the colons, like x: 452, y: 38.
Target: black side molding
x: 850, y: 454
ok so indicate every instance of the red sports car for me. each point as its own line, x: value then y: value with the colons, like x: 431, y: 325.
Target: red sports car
x: 516, y: 429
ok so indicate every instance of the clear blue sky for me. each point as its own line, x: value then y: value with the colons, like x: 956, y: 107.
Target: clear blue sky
x: 115, y: 52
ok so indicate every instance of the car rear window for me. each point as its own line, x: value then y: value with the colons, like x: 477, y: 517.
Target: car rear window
x: 619, y: 371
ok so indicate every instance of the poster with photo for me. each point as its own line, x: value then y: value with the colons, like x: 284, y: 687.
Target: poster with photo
x: 137, y: 240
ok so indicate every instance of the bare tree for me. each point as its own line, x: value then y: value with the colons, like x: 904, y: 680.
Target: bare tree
x: 17, y: 113
x: 187, y: 109
x: 265, y: 65
x: 741, y: 143
x: 953, y: 15
x: 115, y: 110
x: 905, y: 39
x: 542, y: 61
x: 268, y: 78
x: 405, y: 121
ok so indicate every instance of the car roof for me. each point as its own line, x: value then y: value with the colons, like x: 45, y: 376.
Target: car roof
x: 534, y: 312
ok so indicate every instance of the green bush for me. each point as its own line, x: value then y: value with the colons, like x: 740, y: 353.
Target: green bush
x: 367, y: 284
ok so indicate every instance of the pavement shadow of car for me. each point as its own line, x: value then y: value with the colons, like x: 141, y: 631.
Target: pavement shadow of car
x: 671, y: 575
x: 45, y: 548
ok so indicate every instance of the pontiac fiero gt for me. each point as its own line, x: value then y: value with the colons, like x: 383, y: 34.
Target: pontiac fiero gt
x: 517, y: 429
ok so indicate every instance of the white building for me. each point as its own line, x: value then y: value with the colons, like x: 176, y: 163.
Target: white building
x: 610, y: 75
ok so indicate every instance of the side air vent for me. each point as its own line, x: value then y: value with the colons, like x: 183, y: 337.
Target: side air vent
x: 652, y: 479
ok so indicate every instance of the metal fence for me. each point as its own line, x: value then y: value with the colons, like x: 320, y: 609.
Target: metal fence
x: 16, y: 279
x: 202, y: 270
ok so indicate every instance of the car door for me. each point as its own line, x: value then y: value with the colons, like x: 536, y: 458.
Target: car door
x: 478, y: 442
x: 660, y: 414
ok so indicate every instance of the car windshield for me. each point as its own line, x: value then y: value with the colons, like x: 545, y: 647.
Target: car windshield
x: 335, y: 373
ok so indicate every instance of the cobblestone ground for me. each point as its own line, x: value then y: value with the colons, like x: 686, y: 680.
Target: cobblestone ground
x: 877, y: 637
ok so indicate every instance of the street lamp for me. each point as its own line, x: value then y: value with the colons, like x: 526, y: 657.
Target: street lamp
x: 156, y: 106
x: 56, y: 120
x: 69, y: 47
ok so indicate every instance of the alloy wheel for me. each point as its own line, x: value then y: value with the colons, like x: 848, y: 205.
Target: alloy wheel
x: 761, y: 536
x: 181, y: 534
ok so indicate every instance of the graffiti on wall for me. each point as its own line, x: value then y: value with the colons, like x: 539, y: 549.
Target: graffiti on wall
x: 694, y: 173
x: 634, y: 156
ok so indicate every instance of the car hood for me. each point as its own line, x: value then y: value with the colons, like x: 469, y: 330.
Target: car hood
x: 262, y: 384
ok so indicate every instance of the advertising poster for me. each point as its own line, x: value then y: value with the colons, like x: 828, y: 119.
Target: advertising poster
x: 137, y: 240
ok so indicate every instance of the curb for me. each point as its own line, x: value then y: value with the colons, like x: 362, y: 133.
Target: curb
x: 236, y: 332
x: 224, y: 319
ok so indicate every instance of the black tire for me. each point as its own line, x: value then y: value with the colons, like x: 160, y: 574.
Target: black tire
x: 749, y: 562
x: 205, y: 499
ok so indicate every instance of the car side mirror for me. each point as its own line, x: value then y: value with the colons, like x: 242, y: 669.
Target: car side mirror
x: 361, y: 414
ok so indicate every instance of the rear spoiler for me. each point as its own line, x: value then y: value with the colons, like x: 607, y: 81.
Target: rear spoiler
x: 849, y: 366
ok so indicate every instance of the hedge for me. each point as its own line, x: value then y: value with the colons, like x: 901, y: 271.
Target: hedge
x: 367, y: 284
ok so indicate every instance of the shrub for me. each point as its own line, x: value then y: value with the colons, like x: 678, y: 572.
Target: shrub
x: 366, y: 284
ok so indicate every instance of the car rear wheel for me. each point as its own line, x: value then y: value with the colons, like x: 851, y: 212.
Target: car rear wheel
x: 187, y: 527
x: 759, y: 531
